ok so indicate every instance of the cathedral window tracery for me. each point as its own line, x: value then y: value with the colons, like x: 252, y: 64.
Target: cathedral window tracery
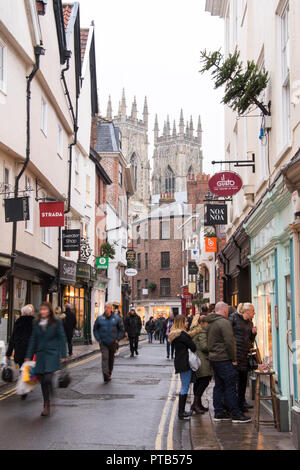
x: 169, y: 181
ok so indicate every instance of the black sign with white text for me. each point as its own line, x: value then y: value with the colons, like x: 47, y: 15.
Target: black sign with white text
x: 216, y: 214
x: 71, y: 240
x: 16, y: 209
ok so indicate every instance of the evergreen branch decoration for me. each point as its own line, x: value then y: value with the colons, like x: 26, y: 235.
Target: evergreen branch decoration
x: 243, y: 85
x: 107, y: 250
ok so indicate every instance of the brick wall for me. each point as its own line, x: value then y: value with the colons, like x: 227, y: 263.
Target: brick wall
x: 154, y: 248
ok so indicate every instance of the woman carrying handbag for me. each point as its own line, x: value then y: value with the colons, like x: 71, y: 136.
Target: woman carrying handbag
x: 48, y: 342
x: 182, y: 343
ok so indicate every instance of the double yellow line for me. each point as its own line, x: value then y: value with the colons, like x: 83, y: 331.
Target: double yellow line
x: 161, y: 428
x: 12, y: 391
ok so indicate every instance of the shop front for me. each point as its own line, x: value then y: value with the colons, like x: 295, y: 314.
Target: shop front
x: 237, y: 271
x: 33, y: 282
x: 273, y: 293
x: 151, y: 308
x: 76, y: 291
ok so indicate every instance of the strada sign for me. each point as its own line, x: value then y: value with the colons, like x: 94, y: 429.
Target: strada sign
x: 52, y: 214
x: 225, y: 184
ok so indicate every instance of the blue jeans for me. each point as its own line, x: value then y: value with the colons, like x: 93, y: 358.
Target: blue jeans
x: 185, y: 378
x: 225, y: 389
x: 150, y: 336
x: 170, y: 346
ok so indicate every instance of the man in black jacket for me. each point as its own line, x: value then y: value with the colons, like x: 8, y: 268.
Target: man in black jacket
x: 69, y: 326
x: 133, y: 326
x: 244, y: 333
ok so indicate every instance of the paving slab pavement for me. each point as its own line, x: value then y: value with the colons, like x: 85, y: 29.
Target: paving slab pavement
x: 208, y: 435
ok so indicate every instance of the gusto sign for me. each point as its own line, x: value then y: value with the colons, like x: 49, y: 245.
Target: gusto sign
x: 225, y: 183
x: 52, y: 214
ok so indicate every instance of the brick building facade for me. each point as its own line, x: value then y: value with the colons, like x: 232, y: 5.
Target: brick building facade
x: 159, y: 261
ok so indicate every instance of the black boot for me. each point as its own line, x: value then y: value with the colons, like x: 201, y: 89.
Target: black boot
x: 196, y: 406
x: 182, y: 414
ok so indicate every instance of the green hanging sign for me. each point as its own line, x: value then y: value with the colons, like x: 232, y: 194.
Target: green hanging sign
x: 102, y: 262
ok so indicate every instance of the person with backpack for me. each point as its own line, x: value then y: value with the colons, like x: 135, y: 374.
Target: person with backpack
x: 182, y: 343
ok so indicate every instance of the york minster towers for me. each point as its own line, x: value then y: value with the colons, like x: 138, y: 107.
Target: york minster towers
x: 135, y: 149
x: 177, y: 153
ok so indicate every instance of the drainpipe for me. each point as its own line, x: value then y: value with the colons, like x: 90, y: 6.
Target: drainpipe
x: 38, y: 51
x: 74, y: 115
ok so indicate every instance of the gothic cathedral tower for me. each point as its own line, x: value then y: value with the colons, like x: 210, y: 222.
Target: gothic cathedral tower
x: 176, y: 155
x: 135, y: 149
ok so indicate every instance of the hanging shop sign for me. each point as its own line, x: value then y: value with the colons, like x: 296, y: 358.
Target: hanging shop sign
x: 102, y: 262
x: 211, y: 245
x: 71, y: 240
x: 185, y: 293
x: 192, y: 288
x: 225, y: 184
x: 83, y: 271
x: 130, y: 256
x: 52, y: 214
x: 16, y: 209
x: 68, y: 271
x: 131, y: 272
x: 216, y: 214
x: 193, y: 268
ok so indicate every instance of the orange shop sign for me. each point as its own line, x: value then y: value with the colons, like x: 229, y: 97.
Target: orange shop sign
x: 211, y: 245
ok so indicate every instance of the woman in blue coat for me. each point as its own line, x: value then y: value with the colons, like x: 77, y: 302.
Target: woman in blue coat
x: 48, y: 342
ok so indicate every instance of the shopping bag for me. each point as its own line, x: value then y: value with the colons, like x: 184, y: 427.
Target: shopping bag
x: 64, y: 378
x: 28, y: 374
x: 9, y: 372
x: 194, y: 361
x: 22, y: 387
x: 3, y: 358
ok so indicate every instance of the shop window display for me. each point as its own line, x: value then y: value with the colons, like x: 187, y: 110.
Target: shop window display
x: 75, y: 296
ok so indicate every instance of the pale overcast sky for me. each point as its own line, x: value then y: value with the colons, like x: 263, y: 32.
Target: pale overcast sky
x: 153, y: 48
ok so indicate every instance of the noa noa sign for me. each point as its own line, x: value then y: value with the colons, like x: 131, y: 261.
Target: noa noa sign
x: 225, y: 184
x: 216, y: 214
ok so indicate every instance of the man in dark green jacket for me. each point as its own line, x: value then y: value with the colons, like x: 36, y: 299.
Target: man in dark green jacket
x: 222, y: 355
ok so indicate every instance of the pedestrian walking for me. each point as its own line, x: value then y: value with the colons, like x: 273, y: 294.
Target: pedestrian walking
x: 182, y: 344
x: 108, y: 331
x: 69, y: 326
x: 190, y: 319
x: 156, y: 330
x: 48, y: 343
x: 222, y: 355
x: 170, y: 346
x: 150, y: 328
x: 161, y: 324
x: 59, y: 314
x: 133, y: 326
x: 244, y: 333
x: 203, y: 375
x: 211, y: 308
x: 19, y: 340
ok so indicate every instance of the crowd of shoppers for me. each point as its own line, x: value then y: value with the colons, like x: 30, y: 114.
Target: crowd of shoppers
x: 222, y: 342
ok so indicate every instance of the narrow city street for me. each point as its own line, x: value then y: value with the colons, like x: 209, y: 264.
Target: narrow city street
x: 135, y: 411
